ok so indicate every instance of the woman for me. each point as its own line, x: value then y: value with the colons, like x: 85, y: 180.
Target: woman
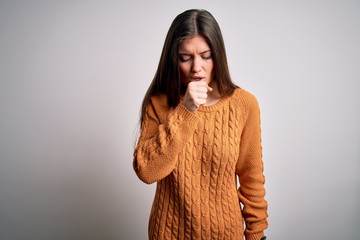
x: 199, y: 132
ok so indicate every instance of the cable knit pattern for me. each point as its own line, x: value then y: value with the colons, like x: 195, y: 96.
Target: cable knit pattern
x: 195, y: 158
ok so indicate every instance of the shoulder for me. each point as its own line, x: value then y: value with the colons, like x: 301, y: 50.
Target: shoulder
x: 159, y: 101
x: 245, y: 98
x: 159, y: 105
x: 248, y: 103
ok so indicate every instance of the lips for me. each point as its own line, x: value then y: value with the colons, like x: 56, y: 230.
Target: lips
x: 196, y: 78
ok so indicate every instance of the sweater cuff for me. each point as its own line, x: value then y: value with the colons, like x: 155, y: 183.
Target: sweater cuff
x: 182, y: 111
x: 256, y: 236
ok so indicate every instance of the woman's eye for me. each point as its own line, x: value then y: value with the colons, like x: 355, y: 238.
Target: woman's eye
x: 184, y: 58
x: 207, y: 56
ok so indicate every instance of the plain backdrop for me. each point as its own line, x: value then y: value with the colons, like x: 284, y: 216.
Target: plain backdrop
x: 72, y: 78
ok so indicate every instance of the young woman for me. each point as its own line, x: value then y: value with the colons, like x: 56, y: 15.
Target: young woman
x: 199, y: 132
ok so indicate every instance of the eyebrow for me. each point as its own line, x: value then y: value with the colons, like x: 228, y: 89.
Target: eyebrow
x: 186, y: 53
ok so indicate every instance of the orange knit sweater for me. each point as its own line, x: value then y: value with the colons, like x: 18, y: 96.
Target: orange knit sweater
x: 195, y: 158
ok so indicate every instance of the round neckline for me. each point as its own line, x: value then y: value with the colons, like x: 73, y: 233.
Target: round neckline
x: 216, y: 105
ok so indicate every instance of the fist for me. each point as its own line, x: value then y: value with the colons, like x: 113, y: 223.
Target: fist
x: 196, y: 95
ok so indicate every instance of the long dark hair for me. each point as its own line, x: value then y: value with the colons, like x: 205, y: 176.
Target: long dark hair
x: 167, y: 77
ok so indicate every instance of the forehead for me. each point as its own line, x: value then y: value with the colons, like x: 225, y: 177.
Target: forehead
x: 194, y: 44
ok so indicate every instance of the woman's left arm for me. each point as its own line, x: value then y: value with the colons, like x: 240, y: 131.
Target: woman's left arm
x: 250, y: 168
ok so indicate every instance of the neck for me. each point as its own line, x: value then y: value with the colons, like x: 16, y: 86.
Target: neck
x: 214, y: 96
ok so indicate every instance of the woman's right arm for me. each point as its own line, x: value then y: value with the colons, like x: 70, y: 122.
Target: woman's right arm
x: 161, y: 141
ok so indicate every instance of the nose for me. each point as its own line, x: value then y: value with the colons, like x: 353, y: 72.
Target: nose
x: 196, y: 66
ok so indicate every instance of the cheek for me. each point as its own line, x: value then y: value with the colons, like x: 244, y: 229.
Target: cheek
x: 210, y: 69
x: 210, y: 66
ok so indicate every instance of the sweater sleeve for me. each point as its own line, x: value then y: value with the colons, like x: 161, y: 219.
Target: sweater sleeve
x: 249, y: 169
x: 161, y: 140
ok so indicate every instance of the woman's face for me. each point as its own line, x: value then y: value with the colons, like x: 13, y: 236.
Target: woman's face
x: 195, y: 60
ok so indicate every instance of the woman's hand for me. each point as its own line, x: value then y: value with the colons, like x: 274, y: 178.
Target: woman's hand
x: 196, y: 95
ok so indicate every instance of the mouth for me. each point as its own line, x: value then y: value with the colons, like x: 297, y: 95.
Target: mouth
x: 196, y: 78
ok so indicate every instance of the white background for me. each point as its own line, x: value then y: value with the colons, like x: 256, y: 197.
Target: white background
x: 72, y: 78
